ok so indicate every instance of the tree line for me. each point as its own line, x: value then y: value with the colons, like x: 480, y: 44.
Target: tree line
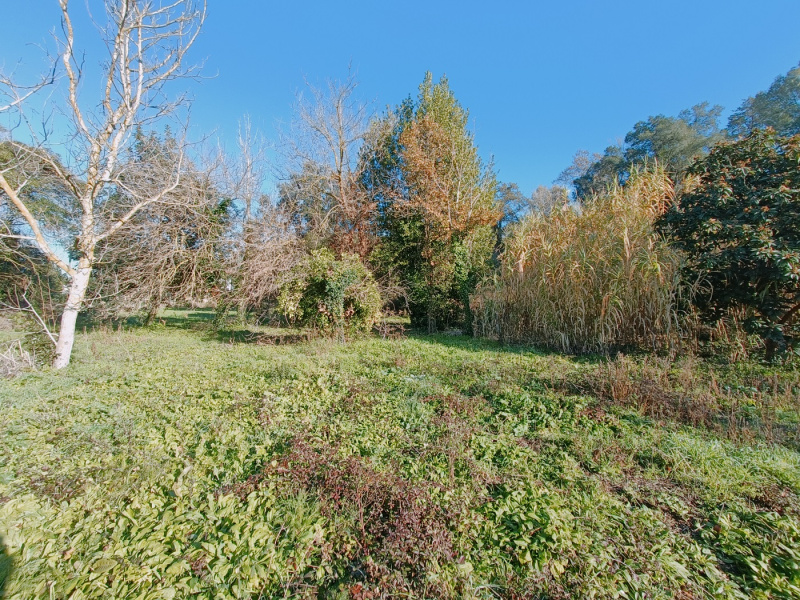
x: 372, y: 210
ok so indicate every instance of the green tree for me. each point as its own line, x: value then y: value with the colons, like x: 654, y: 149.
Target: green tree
x: 603, y: 174
x: 581, y: 163
x: 512, y: 202
x: 29, y: 282
x: 673, y: 142
x: 740, y: 227
x: 437, y: 205
x: 778, y: 107
x: 513, y: 205
x: 305, y: 198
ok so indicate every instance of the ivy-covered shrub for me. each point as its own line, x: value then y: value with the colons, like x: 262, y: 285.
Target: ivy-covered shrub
x: 336, y: 296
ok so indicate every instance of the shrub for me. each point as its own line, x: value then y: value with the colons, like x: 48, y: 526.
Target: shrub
x: 740, y: 227
x: 588, y: 279
x: 335, y: 296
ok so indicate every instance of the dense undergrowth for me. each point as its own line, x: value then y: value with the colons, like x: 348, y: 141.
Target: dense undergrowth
x: 591, y: 279
x: 170, y: 462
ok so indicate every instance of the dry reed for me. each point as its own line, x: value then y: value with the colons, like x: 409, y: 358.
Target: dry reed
x: 590, y: 279
x: 14, y: 359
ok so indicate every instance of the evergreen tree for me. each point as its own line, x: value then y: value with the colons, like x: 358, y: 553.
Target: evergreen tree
x: 739, y: 226
x: 436, y: 202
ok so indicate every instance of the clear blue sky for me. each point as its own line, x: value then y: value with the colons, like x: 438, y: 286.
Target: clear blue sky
x: 540, y: 79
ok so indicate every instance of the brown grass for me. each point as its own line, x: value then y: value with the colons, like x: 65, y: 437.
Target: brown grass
x: 14, y: 359
x: 680, y: 390
x: 589, y: 279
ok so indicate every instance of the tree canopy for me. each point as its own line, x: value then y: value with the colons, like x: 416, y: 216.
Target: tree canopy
x: 673, y: 142
x: 740, y: 227
x: 777, y: 107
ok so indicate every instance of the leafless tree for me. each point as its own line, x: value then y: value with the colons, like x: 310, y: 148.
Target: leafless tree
x: 171, y: 252
x: 147, y: 43
x: 261, y: 245
x: 581, y: 163
x: 323, y: 188
x: 270, y: 250
x: 544, y: 199
x: 246, y: 175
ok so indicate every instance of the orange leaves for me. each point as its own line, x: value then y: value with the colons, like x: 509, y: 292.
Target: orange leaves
x: 444, y: 179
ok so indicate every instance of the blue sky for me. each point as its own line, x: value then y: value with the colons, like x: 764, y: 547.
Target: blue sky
x: 540, y: 80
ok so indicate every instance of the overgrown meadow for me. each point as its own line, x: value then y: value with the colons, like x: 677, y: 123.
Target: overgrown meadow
x: 176, y: 454
x: 179, y: 461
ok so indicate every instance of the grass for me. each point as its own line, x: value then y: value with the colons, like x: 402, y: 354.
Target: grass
x: 173, y: 462
x: 589, y: 279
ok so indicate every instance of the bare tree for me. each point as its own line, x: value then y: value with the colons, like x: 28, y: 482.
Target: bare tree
x: 323, y: 189
x: 248, y: 173
x: 581, y: 163
x: 147, y: 43
x: 270, y: 250
x: 168, y: 252
x: 262, y: 246
x: 544, y: 199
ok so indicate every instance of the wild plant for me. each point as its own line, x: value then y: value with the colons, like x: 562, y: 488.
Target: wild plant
x: 589, y: 278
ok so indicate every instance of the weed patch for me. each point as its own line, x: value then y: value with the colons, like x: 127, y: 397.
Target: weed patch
x: 422, y: 467
x: 758, y: 406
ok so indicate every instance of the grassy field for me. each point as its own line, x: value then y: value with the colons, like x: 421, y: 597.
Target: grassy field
x: 176, y: 462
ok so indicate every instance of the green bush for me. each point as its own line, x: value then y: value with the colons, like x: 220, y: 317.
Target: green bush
x: 739, y: 225
x: 336, y: 296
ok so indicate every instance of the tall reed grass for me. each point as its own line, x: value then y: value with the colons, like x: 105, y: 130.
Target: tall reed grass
x: 588, y: 279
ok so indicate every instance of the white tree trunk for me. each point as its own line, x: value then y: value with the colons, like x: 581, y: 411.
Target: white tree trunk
x: 66, y: 334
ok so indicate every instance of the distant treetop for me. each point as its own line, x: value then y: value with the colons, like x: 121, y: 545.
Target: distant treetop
x: 778, y: 107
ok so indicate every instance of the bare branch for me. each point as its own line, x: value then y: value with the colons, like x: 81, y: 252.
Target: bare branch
x: 34, y: 225
x: 147, y: 42
x: 26, y: 238
x: 323, y: 186
x: 31, y: 309
x: 121, y: 221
